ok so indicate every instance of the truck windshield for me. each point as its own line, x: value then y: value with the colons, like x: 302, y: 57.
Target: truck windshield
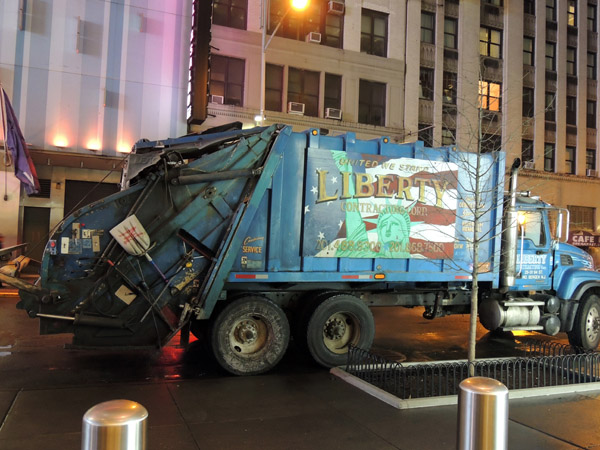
x: 531, y: 226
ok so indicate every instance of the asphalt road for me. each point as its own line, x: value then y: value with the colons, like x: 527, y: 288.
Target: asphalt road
x: 28, y: 360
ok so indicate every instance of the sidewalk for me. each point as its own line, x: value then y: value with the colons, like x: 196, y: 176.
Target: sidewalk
x: 310, y: 411
x: 45, y: 391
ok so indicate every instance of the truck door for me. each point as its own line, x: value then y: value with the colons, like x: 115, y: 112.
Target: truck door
x: 534, y: 256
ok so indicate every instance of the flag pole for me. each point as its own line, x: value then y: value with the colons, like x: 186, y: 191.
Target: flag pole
x: 6, y: 164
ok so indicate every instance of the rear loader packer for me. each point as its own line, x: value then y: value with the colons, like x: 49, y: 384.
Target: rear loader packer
x: 246, y: 237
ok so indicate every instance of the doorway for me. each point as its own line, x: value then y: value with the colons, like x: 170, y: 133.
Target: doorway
x: 36, y: 226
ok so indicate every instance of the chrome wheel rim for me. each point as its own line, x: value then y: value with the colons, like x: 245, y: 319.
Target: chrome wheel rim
x: 339, y: 331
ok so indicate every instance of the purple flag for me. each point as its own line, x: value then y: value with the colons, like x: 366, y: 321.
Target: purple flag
x: 14, y: 141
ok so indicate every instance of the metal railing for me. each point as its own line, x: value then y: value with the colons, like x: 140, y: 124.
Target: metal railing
x: 563, y: 366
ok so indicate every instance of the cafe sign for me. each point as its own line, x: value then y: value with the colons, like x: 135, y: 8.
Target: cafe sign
x: 584, y: 239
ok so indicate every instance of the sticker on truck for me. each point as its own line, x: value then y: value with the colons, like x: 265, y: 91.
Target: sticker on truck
x: 373, y: 206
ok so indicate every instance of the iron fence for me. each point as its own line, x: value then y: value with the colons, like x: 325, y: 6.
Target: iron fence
x: 562, y: 366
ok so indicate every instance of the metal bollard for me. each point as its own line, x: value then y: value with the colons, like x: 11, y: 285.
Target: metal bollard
x: 115, y: 425
x: 482, y: 415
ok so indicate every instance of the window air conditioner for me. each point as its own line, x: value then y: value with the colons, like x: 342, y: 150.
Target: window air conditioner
x: 313, y: 37
x: 216, y: 99
x: 336, y: 8
x: 296, y: 108
x: 528, y: 165
x: 591, y: 173
x: 333, y: 113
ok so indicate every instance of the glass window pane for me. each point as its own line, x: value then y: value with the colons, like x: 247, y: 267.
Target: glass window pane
x: 450, y: 26
x: 294, y: 80
x: 274, y: 76
x: 496, y: 37
x: 365, y: 43
x: 379, y: 25
x: 378, y: 46
x: 220, y: 14
x: 366, y: 24
x: 494, y: 89
x: 311, y: 83
x: 217, y: 88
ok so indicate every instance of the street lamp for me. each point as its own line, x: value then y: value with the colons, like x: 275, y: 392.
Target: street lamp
x: 298, y: 5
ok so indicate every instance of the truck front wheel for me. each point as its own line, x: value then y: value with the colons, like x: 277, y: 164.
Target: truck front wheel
x: 586, y: 328
x: 336, y: 323
x: 250, y: 336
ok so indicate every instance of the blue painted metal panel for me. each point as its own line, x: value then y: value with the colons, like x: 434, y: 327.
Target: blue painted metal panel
x: 307, y: 205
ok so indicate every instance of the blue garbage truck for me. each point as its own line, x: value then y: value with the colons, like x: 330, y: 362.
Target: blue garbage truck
x: 250, y: 238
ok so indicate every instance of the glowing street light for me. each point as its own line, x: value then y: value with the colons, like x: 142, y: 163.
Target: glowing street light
x: 298, y: 5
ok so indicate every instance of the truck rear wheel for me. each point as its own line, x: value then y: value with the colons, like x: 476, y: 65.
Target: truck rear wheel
x: 586, y: 328
x: 336, y: 323
x: 250, y: 336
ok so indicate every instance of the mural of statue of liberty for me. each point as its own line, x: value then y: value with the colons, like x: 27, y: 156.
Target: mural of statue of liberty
x: 392, y: 225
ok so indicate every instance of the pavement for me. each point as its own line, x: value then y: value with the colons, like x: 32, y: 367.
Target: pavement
x: 291, y: 408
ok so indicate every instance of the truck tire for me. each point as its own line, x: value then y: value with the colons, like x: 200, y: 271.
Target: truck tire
x: 336, y: 323
x: 302, y: 315
x: 586, y: 328
x: 250, y: 336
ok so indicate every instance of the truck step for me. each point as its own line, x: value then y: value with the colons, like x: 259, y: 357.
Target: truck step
x: 509, y: 303
x: 530, y: 328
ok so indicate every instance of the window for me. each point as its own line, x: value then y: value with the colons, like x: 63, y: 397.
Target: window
x: 428, y: 27
x: 448, y: 136
x: 230, y: 13
x: 332, y: 30
x: 490, y: 42
x: 273, y: 87
x: 494, y: 2
x: 582, y: 217
x: 303, y: 87
x: 333, y: 91
x: 532, y: 227
x: 571, y: 110
x: 426, y: 134
x: 426, y: 84
x: 527, y: 150
x: 571, y: 13
x: 490, y: 95
x: 296, y: 25
x: 591, y: 114
x: 551, y: 10
x: 550, y: 106
x: 549, y: 157
x: 528, y: 51
x: 491, y: 143
x: 571, y: 61
x: 371, y: 103
x: 570, y: 160
x: 551, y: 56
x: 591, y: 17
x: 450, y: 33
x: 373, y: 33
x: 591, y: 66
x: 529, y: 7
x: 227, y: 79
x: 449, y: 87
x: 528, y: 102
x: 590, y: 159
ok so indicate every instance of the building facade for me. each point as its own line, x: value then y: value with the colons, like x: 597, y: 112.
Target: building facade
x: 516, y: 75
x: 87, y: 79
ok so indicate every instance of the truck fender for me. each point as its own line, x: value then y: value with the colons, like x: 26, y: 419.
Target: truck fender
x: 574, y: 282
x: 569, y: 306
